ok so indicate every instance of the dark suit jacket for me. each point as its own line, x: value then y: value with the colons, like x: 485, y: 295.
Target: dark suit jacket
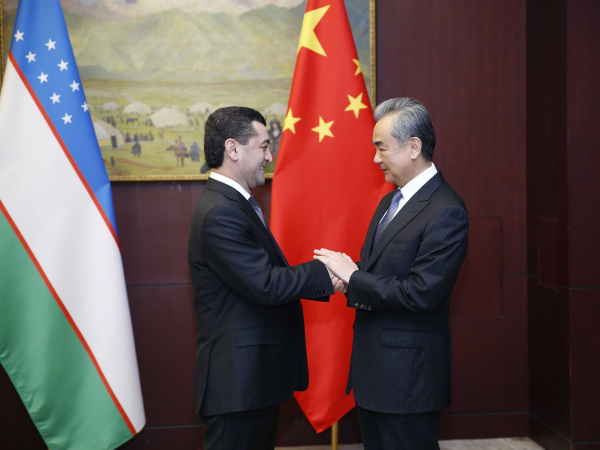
x: 401, y: 350
x: 251, y: 348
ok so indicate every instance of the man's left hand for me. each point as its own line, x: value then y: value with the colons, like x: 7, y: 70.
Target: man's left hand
x: 340, y: 264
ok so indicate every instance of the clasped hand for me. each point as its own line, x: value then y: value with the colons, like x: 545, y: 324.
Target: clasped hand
x: 340, y: 267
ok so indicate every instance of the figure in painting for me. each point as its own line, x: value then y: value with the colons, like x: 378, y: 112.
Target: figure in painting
x: 275, y: 137
x: 180, y: 151
x: 136, y: 150
x: 195, y: 152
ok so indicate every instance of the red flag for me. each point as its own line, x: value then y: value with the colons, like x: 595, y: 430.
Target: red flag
x: 325, y: 190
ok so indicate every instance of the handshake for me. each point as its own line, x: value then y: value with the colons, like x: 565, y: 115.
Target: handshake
x: 340, y: 267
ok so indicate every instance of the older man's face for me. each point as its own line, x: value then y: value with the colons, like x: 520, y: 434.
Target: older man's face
x: 393, y: 160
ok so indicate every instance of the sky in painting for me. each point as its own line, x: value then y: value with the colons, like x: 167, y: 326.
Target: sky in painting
x: 110, y: 10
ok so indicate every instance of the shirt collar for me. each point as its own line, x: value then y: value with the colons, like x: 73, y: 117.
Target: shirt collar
x: 229, y: 182
x: 413, y: 186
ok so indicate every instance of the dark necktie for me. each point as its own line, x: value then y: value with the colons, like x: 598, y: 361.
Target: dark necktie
x: 252, y: 200
x: 391, y: 211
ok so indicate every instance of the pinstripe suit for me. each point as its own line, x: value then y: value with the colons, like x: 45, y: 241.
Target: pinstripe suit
x: 401, y: 351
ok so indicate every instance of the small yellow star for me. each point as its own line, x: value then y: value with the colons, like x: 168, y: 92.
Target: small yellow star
x: 358, y: 69
x: 324, y: 129
x: 356, y: 104
x: 308, y: 38
x: 290, y: 122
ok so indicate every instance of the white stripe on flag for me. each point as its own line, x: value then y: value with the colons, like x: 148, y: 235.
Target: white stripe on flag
x: 66, y: 233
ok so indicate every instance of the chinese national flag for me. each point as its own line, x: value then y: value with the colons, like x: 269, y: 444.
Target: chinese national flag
x: 325, y: 190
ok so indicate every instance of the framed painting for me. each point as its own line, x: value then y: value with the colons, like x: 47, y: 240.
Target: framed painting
x: 152, y: 72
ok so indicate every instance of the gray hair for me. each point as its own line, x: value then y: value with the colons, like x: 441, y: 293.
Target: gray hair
x: 411, y: 120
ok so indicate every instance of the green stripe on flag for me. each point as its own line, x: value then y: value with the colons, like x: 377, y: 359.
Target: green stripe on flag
x: 46, y: 361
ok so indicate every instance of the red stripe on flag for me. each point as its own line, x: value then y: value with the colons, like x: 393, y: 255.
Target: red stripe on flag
x: 68, y: 316
x: 65, y: 149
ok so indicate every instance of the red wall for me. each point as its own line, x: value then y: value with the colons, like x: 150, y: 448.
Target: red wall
x: 563, y: 215
x: 466, y: 61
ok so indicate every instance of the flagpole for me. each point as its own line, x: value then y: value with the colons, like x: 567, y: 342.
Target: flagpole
x: 334, y: 436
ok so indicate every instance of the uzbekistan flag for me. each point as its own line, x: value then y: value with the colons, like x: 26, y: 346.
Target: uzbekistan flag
x: 65, y: 329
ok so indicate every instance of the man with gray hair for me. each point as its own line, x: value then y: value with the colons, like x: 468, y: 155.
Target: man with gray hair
x: 414, y: 248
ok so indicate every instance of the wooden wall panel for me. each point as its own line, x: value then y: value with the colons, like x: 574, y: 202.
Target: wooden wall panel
x: 456, y: 426
x: 153, y: 221
x: 14, y: 419
x: 563, y: 69
x: 585, y: 364
x: 549, y: 356
x: 547, y: 252
x: 164, y: 326
x: 189, y: 437
x: 465, y: 60
x: 478, y: 290
x: 489, y: 358
x: 546, y: 117
x: 583, y: 61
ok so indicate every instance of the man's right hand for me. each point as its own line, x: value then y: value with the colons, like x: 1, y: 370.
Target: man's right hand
x: 338, y: 285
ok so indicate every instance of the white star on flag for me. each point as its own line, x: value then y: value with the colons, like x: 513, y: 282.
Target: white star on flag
x: 50, y: 44
x: 19, y: 36
x: 67, y: 118
x: 55, y: 98
x: 85, y: 107
x: 30, y: 57
x: 63, y: 65
x: 43, y: 77
x: 74, y: 86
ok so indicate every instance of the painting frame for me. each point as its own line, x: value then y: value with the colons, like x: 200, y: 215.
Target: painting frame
x: 200, y: 177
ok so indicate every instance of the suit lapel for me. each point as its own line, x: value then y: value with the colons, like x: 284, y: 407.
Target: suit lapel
x: 409, y: 211
x: 245, y: 206
x: 249, y: 210
x: 384, y: 204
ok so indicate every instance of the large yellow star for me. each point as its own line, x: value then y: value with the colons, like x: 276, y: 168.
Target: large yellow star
x: 356, y: 104
x: 358, y: 69
x: 308, y: 38
x: 290, y: 122
x: 324, y: 129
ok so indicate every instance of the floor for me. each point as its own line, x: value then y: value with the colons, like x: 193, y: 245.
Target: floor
x: 480, y: 444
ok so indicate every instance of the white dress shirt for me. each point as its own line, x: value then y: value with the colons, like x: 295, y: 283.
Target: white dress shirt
x: 413, y: 186
x: 229, y: 182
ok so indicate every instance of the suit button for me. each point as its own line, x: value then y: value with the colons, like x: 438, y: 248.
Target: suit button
x: 356, y: 305
x: 362, y: 306
x: 369, y: 308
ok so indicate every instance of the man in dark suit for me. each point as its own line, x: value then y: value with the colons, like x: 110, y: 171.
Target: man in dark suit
x: 401, y: 288
x: 251, y: 349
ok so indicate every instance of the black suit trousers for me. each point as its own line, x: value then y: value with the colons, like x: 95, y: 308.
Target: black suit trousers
x: 245, y: 430
x: 416, y: 431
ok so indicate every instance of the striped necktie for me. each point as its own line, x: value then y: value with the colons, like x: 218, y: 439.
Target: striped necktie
x: 391, y: 211
x: 254, y: 203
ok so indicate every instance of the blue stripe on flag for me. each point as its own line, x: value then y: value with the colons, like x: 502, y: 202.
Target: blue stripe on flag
x: 42, y: 49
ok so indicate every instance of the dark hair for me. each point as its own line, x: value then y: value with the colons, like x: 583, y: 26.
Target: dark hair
x: 412, y: 120
x: 232, y: 122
